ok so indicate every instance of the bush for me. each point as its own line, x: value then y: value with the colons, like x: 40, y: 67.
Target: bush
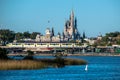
x: 3, y: 54
x: 30, y: 55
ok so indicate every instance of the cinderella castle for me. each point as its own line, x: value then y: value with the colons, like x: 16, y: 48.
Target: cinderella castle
x: 70, y: 32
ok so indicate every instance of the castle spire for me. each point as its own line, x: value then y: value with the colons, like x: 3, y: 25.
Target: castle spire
x: 75, y: 23
x: 72, y: 12
x: 72, y: 15
x: 84, y: 36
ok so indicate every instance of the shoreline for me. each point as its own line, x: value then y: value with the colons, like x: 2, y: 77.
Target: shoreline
x: 76, y: 54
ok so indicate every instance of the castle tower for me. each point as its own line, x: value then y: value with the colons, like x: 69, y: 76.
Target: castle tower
x: 70, y: 29
x: 53, y: 34
x: 72, y: 19
x: 48, y: 32
x: 72, y: 22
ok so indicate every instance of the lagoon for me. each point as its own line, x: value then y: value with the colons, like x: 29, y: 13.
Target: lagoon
x: 99, y: 68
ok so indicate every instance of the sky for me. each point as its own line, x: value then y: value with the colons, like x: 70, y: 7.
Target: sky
x: 94, y: 17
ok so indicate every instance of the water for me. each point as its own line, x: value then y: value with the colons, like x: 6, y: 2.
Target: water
x: 99, y: 68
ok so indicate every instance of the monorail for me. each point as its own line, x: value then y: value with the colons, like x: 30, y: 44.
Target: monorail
x: 44, y: 45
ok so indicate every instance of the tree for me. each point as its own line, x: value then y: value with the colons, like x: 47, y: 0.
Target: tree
x: 19, y: 36
x: 33, y: 35
x: 59, y: 34
x: 111, y: 38
x: 84, y: 35
x: 26, y: 34
x: 113, y: 34
x: 118, y: 42
x: 3, y: 54
x: 29, y: 55
x: 6, y: 36
x: 105, y: 39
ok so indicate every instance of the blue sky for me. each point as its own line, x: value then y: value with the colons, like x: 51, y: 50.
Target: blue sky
x: 94, y: 16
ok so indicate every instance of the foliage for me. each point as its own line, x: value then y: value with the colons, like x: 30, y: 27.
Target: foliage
x: 109, y: 39
x: 95, y: 45
x: 34, y: 34
x: 118, y: 42
x: 58, y: 55
x: 59, y: 62
x: 19, y: 36
x: 3, y: 54
x: 26, y: 34
x: 72, y: 41
x: 30, y: 55
x: 6, y: 35
x: 113, y: 34
x: 105, y: 39
x: 109, y: 44
x: 79, y: 44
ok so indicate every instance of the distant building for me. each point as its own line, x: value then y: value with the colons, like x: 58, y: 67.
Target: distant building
x: 44, y: 38
x: 48, y: 37
x: 99, y: 37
